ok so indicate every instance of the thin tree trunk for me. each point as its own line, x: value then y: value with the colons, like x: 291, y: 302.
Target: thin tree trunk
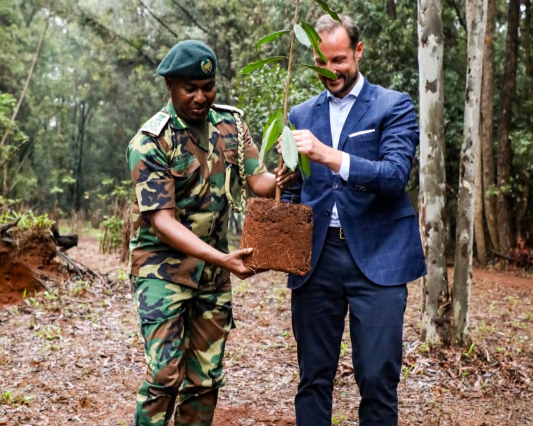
x: 479, y: 228
x: 27, y: 84
x: 476, y: 21
x: 527, y: 34
x: 17, y: 108
x: 521, y: 210
x: 486, y: 128
x: 435, y: 322
x: 84, y: 113
x: 504, y: 149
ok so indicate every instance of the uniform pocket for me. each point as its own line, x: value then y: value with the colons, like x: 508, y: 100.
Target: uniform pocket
x: 184, y: 165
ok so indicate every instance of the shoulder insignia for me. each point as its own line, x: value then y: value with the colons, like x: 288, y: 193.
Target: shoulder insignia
x: 155, y: 125
x: 229, y: 108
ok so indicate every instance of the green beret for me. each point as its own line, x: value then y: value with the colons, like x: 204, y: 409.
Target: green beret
x: 190, y: 59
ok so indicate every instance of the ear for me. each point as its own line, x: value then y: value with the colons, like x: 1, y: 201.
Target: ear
x: 359, y: 50
x: 168, y: 82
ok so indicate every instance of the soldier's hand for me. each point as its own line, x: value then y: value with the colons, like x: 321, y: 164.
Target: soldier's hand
x: 284, y: 177
x: 234, y: 263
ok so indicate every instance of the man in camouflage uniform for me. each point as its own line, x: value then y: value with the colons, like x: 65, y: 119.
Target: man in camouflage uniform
x: 180, y: 266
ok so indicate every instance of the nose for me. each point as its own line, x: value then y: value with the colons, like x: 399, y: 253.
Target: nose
x: 199, y: 97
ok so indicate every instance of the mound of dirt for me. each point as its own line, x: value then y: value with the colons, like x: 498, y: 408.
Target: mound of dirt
x: 27, y: 260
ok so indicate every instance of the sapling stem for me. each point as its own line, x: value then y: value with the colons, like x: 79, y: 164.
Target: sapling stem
x: 287, y: 87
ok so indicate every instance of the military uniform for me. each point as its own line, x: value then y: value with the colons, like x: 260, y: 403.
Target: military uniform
x: 184, y: 303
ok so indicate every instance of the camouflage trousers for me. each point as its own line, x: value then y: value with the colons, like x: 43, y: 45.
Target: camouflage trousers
x: 185, y: 332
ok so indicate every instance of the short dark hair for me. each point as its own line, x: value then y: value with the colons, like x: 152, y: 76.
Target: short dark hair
x: 327, y: 24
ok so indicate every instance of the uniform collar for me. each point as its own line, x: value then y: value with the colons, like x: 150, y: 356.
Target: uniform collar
x: 179, y: 123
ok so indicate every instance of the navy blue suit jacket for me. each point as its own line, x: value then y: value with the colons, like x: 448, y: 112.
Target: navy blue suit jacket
x: 380, y: 225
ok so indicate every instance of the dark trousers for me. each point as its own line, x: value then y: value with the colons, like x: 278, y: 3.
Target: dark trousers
x: 319, y: 309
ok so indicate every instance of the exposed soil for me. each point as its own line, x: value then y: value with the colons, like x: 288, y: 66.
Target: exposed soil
x: 27, y: 262
x: 73, y: 355
x: 280, y: 234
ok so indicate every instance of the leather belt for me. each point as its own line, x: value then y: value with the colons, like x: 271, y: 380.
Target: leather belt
x: 336, y: 233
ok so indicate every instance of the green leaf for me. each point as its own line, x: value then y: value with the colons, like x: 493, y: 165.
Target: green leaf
x: 326, y: 9
x: 269, y: 134
x: 288, y: 149
x: 311, y: 33
x: 302, y: 36
x: 272, y: 132
x: 278, y: 117
x: 305, y: 165
x: 322, y: 71
x: 315, y: 39
x: 270, y: 38
x: 260, y: 64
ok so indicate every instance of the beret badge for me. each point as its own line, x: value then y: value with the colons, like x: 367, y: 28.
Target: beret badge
x: 207, y: 66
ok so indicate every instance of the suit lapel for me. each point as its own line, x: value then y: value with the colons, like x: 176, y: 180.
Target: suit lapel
x: 323, y: 127
x: 362, y: 103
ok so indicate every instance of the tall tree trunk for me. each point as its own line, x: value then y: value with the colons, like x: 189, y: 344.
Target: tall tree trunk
x: 78, y: 193
x: 476, y: 21
x: 526, y: 35
x: 479, y: 228
x: 504, y: 146
x: 435, y: 322
x: 486, y: 127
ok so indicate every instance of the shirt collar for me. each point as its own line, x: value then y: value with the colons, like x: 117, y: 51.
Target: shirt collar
x: 353, y: 93
x: 180, y: 123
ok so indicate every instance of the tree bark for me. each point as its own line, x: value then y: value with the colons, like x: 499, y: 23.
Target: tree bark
x: 476, y: 21
x: 527, y: 34
x: 504, y: 146
x: 486, y: 126
x: 435, y: 321
x: 83, y: 118
x: 479, y: 228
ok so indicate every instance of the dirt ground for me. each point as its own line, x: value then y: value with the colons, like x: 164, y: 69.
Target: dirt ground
x: 73, y: 355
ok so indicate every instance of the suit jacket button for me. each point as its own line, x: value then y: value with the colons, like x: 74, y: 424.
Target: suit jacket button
x: 336, y: 186
x: 328, y: 212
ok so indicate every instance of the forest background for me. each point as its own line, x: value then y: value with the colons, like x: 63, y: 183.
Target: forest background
x: 77, y: 81
x: 95, y: 84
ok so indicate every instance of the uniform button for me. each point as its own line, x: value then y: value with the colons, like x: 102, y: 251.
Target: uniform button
x: 213, y: 185
x: 327, y: 212
x: 336, y: 186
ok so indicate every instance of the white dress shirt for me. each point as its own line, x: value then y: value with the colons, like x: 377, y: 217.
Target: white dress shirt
x: 338, y: 112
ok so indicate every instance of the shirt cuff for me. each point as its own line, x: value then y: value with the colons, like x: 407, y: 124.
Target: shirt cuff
x: 344, y: 171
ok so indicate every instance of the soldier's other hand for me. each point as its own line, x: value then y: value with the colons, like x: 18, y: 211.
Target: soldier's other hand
x: 284, y: 177
x: 234, y: 263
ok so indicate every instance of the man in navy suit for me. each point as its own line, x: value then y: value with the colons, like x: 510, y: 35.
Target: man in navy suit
x: 361, y: 140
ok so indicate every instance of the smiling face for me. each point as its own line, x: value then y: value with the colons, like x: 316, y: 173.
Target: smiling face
x: 342, y: 59
x: 192, y: 98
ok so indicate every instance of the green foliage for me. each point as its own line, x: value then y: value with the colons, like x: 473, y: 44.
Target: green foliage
x: 26, y: 220
x: 288, y: 149
x: 307, y: 36
x: 15, y: 398
x: 260, y: 64
x: 270, y: 38
x: 96, y: 83
x: 111, y: 239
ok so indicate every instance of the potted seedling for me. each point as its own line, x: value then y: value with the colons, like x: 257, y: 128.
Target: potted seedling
x: 281, y: 233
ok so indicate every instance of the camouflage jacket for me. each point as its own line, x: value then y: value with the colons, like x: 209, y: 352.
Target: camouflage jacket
x: 172, y: 169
